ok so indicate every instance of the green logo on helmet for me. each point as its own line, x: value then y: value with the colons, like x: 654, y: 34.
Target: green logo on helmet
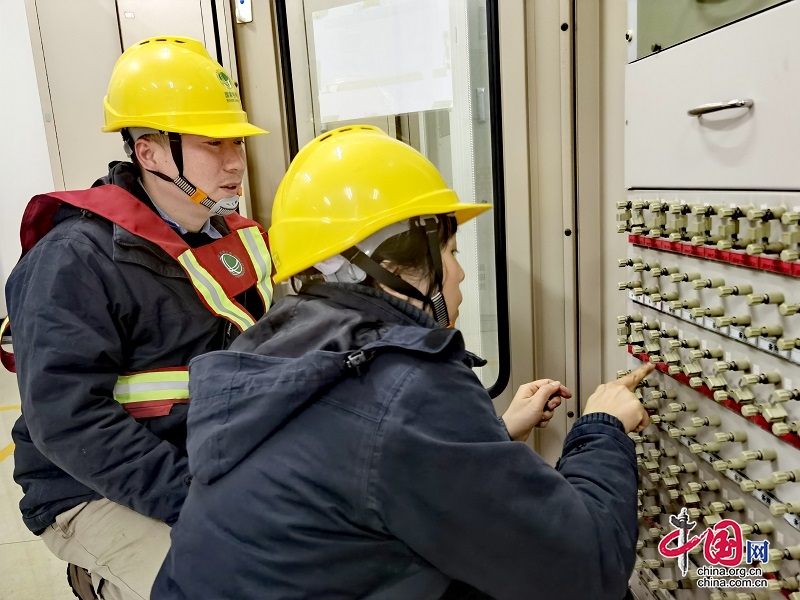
x: 233, y: 264
x: 224, y: 79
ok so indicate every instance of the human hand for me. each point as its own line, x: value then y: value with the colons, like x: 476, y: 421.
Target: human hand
x: 616, y: 398
x: 533, y: 406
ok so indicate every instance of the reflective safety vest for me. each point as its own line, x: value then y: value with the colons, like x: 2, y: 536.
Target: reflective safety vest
x: 218, y: 271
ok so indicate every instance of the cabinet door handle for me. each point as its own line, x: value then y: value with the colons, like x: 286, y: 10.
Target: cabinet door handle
x: 715, y: 106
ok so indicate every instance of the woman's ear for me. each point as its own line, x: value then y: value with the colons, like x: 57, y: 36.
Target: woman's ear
x: 389, y: 266
x: 419, y: 281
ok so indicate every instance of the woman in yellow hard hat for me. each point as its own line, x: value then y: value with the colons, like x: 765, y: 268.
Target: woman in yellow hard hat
x: 343, y: 448
x: 119, y: 287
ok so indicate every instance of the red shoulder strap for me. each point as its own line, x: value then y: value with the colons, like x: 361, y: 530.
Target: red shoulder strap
x: 118, y: 206
x: 236, y: 221
x: 110, y: 202
x: 37, y: 220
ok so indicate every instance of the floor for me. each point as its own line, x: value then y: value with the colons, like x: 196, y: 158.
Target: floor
x: 27, y: 569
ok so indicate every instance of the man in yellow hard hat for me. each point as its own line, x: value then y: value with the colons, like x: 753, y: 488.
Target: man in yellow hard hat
x: 119, y: 287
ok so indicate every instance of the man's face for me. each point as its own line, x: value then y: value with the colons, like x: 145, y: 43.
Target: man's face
x: 216, y: 166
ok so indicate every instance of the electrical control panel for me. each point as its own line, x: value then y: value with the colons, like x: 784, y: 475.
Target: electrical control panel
x: 711, y: 218
x: 713, y: 286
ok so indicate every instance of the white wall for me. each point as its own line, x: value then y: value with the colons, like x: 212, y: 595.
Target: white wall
x: 24, y: 161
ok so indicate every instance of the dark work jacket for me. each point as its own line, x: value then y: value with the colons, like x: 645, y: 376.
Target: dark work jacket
x: 91, y: 301
x: 343, y: 448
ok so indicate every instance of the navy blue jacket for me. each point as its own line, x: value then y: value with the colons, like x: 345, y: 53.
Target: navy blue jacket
x: 91, y: 301
x: 343, y: 448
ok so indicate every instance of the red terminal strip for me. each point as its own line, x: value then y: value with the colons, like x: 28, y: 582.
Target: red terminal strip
x: 741, y: 259
x: 790, y: 438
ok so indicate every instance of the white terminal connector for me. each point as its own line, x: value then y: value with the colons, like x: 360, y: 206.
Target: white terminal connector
x: 765, y: 214
x: 684, y: 277
x: 768, y: 331
x: 663, y: 394
x: 710, y: 485
x: 741, y: 364
x: 790, y: 218
x: 731, y: 436
x: 736, y: 320
x: 771, y: 377
x: 735, y: 505
x: 771, y: 298
x: 690, y: 467
x: 709, y: 421
x: 735, y: 290
x: 714, y: 282
x: 785, y: 395
x: 788, y: 343
x: 689, y: 406
x: 787, y: 310
x: 707, y: 353
x: 779, y: 554
x: 779, y: 509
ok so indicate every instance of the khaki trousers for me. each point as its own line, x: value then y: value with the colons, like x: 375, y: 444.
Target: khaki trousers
x: 121, y: 549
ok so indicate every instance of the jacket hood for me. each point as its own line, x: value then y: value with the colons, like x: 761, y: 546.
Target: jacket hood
x: 125, y: 175
x: 304, y: 345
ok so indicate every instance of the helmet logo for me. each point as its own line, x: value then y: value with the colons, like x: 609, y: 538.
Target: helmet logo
x: 233, y: 264
x: 224, y: 79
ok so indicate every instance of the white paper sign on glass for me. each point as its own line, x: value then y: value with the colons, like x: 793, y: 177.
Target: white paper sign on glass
x: 385, y: 57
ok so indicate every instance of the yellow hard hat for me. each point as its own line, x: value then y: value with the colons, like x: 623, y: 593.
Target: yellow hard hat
x: 173, y: 85
x: 344, y: 186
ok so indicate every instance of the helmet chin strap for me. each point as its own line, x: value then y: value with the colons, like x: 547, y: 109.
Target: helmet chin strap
x: 222, y: 207
x: 436, y: 300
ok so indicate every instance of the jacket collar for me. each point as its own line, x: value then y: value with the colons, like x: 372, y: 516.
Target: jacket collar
x: 344, y: 318
x: 131, y: 248
x: 374, y: 302
x: 367, y: 298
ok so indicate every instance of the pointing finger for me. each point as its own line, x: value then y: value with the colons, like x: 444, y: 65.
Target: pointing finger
x: 634, y: 378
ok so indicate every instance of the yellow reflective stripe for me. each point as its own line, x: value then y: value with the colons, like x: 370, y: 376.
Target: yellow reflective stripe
x: 152, y: 386
x: 212, y: 292
x: 259, y: 255
x: 181, y: 375
x: 167, y: 394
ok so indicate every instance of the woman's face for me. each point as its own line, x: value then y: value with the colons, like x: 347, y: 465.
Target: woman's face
x: 452, y: 277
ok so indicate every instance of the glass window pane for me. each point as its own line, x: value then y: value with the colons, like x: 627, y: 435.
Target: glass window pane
x: 419, y: 70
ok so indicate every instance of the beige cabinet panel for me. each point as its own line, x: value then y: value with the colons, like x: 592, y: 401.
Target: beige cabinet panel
x: 78, y: 61
x: 739, y: 148
x: 140, y: 19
